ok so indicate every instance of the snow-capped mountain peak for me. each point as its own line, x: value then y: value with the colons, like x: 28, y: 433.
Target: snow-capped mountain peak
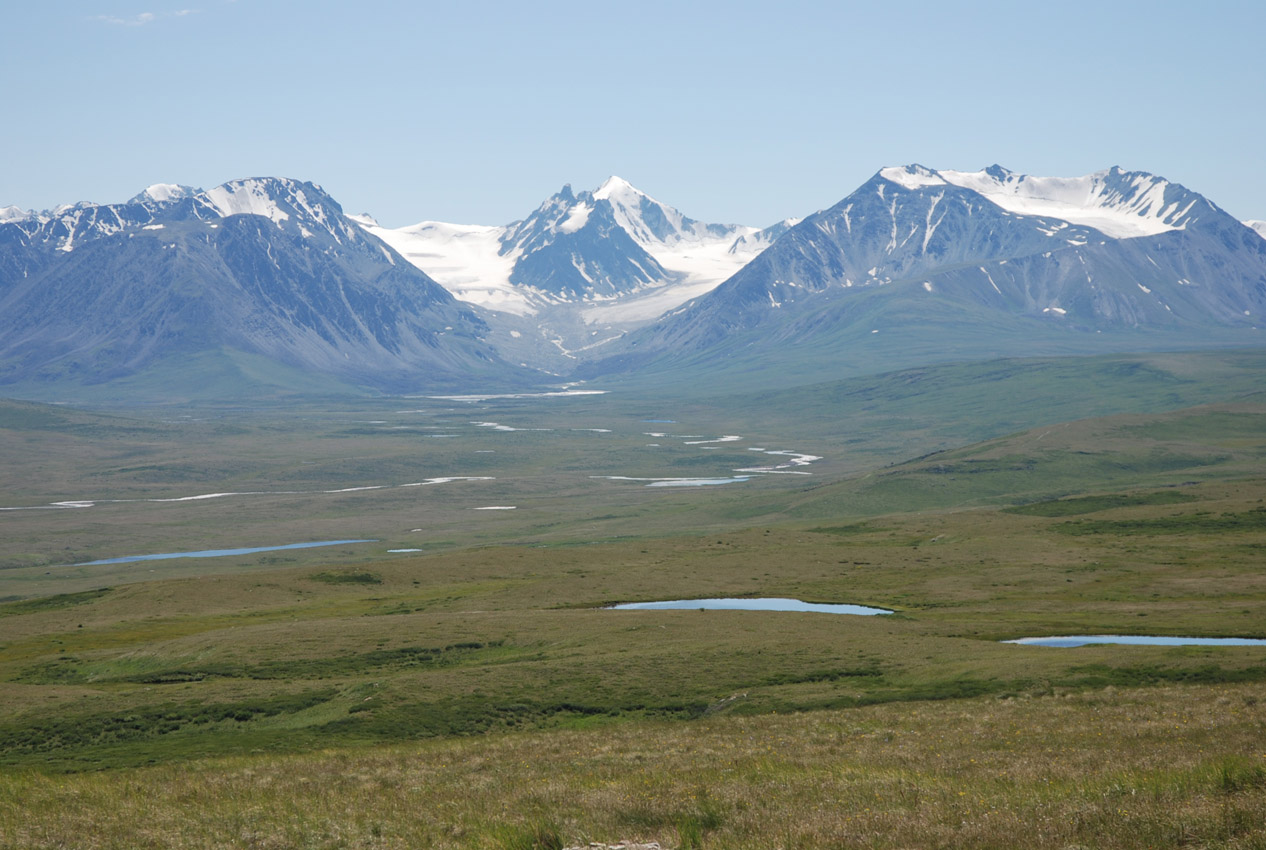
x: 618, y: 187
x: 655, y: 225
x: 1258, y: 226
x: 302, y: 208
x: 286, y: 202
x: 1121, y: 204
x: 161, y: 193
x: 13, y: 213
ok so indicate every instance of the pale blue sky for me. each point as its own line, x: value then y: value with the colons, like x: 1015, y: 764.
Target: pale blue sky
x: 731, y: 111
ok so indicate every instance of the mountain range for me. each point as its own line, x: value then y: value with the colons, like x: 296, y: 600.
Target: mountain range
x: 266, y: 279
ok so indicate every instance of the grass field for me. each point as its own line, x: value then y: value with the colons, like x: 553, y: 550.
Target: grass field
x: 477, y: 693
x: 1169, y: 766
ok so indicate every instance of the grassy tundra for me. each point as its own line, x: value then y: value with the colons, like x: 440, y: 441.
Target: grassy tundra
x: 477, y: 694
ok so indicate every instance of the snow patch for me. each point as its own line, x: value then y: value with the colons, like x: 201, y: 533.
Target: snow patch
x: 577, y: 219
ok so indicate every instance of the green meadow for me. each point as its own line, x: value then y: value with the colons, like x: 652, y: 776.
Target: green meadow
x: 476, y: 692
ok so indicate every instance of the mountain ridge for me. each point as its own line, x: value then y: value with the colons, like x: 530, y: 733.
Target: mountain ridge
x: 265, y: 266
x: 611, y: 282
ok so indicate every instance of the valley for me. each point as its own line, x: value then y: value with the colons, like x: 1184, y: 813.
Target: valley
x: 461, y: 661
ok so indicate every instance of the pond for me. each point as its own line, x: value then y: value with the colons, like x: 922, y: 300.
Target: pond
x: 216, y: 553
x: 767, y: 604
x: 678, y: 482
x: 1136, y: 640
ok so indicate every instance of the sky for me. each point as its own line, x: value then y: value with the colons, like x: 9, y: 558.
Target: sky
x: 744, y: 112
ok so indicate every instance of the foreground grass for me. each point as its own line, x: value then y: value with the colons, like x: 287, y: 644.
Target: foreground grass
x: 1160, y: 767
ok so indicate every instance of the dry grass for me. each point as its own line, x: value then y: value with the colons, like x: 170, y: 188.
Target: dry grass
x: 1161, y: 767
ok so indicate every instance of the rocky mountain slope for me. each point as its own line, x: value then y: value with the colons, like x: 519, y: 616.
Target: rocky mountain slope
x: 264, y: 268
x: 991, y: 261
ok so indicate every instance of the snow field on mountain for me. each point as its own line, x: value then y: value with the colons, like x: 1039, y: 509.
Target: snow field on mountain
x: 700, y: 267
x: 1088, y: 200
x: 1120, y: 204
x: 463, y: 259
x: 245, y: 197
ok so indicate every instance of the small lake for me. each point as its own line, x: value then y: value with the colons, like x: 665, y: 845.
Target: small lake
x: 216, y: 553
x: 1136, y: 640
x: 679, y: 482
x: 768, y: 604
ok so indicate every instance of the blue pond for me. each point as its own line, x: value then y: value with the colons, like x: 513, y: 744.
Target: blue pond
x: 216, y: 553
x: 750, y: 605
x: 1137, y: 640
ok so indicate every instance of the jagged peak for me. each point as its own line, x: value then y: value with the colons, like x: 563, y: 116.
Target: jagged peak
x: 275, y: 198
x: 654, y: 224
x: 997, y: 172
